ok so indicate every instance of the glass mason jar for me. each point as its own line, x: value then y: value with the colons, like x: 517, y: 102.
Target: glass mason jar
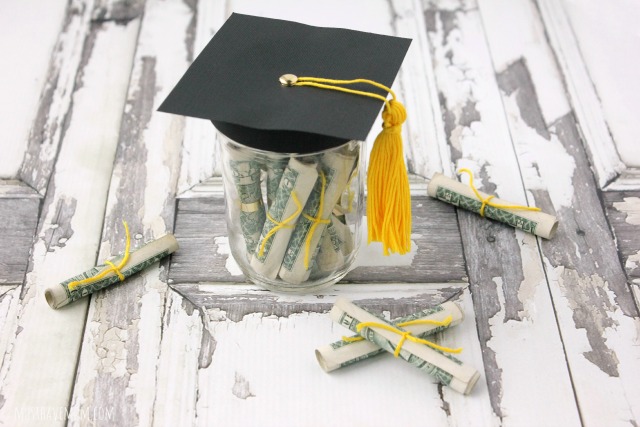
x: 294, y: 220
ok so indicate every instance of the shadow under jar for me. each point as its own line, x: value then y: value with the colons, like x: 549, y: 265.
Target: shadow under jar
x: 294, y: 220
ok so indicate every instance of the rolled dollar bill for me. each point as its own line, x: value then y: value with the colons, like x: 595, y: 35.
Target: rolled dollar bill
x: 299, y: 256
x: 60, y: 295
x: 336, y: 244
x: 246, y: 176
x: 329, y: 252
x: 445, y: 368
x: 295, y: 187
x: 275, y: 170
x: 345, y: 353
x: 458, y: 194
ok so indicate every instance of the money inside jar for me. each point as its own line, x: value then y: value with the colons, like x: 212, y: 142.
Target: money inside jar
x: 294, y: 105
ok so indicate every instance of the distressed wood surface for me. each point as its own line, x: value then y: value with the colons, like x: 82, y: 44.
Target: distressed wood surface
x: 512, y: 305
x: 584, y: 98
x: 623, y: 210
x: 29, y: 53
x: 552, y: 326
x: 594, y: 307
x: 436, y: 255
x: 40, y: 346
x: 122, y: 340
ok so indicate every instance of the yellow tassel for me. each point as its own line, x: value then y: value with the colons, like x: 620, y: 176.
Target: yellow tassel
x: 389, y: 200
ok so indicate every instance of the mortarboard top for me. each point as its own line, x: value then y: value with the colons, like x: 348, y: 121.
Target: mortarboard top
x: 234, y: 83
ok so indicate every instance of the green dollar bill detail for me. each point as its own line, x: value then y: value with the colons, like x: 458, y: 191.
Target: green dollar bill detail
x: 283, y: 196
x: 474, y: 205
x: 275, y: 170
x: 84, y: 290
x: 246, y: 176
x: 371, y: 335
x: 299, y: 236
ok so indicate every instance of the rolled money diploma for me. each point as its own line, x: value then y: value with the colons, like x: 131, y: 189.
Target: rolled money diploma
x: 246, y: 176
x: 337, y: 169
x: 60, y: 295
x: 330, y: 256
x: 275, y: 170
x: 445, y: 368
x: 458, y: 194
x: 299, y: 177
x: 344, y: 353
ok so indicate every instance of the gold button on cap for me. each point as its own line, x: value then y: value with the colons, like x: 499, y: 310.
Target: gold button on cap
x: 288, y: 79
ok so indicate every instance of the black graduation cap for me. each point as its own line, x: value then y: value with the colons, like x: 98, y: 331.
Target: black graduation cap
x: 234, y: 83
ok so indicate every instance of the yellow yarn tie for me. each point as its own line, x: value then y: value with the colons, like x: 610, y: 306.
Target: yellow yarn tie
x: 389, y: 200
x: 315, y: 221
x: 112, y: 268
x: 406, y: 335
x: 486, y: 201
x: 445, y: 322
x: 283, y: 224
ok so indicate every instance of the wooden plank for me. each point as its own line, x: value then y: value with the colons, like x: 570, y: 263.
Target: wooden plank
x: 584, y: 99
x: 40, y: 346
x: 623, y: 211
x: 514, y: 312
x: 610, y: 56
x: 51, y: 122
x: 240, y: 322
x: 596, y: 312
x: 18, y: 220
x: 436, y: 256
x: 121, y: 344
x: 200, y: 146
x: 21, y: 84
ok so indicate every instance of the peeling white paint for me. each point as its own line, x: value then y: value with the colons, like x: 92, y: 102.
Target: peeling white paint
x: 631, y: 207
x: 545, y: 164
x: 222, y: 243
x: 617, y: 395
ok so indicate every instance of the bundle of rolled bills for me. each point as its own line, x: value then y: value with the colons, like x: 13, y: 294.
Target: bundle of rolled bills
x: 445, y: 368
x: 62, y: 294
x: 458, y: 194
x: 303, y: 231
x: 345, y: 353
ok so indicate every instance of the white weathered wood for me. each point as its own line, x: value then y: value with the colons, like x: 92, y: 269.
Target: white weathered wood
x: 117, y: 365
x: 28, y: 52
x: 40, y: 345
x: 596, y: 313
x: 514, y: 312
x: 525, y: 41
x: 584, y: 99
x: 185, y: 348
x: 245, y: 322
x: 425, y: 144
x: 49, y: 125
x: 200, y: 147
x: 611, y: 55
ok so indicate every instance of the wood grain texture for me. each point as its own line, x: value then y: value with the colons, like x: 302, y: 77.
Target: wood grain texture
x: 508, y: 285
x: 623, y: 211
x: 40, y: 346
x: 18, y: 220
x: 29, y: 30
x: 594, y: 306
x: 437, y: 255
x: 53, y: 114
x: 239, y: 321
x: 584, y: 99
x: 117, y: 364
